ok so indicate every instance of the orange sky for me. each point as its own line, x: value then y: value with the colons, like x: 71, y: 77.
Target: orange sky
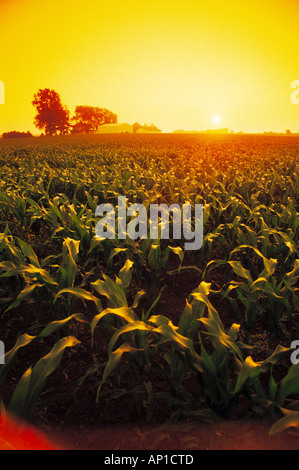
x: 175, y: 63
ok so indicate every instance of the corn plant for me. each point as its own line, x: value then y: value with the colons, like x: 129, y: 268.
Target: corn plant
x: 264, y: 296
x: 39, y: 280
x: 27, y: 393
x: 277, y: 399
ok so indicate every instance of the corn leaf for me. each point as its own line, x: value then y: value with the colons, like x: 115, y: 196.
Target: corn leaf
x: 290, y: 420
x: 32, y: 383
x: 22, y: 341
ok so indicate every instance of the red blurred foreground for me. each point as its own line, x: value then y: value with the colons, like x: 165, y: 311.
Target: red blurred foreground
x: 16, y: 435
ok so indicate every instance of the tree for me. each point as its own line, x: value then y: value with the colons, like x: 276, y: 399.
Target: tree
x: 87, y: 119
x: 52, y: 117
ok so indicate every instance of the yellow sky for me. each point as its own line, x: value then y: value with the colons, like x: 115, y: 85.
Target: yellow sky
x: 175, y: 63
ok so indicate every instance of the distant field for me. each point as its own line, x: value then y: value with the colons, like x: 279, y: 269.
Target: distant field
x: 143, y: 328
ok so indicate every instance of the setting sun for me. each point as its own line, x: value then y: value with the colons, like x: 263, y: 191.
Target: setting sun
x: 216, y: 119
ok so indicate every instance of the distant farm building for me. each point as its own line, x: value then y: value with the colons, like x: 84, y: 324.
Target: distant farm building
x: 115, y: 128
x: 152, y: 129
x: 121, y: 128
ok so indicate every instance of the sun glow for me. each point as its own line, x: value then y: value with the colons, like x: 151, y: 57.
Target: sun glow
x: 216, y: 119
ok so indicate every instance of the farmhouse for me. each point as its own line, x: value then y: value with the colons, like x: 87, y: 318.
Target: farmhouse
x: 115, y: 128
x: 145, y: 129
x: 122, y: 128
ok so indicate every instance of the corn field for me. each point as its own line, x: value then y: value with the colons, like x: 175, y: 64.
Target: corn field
x: 95, y: 326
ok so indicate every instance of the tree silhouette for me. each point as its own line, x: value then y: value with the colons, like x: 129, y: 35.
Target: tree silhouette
x: 52, y: 117
x: 87, y: 119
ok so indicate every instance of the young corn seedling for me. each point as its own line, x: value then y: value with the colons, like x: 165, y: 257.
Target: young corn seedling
x: 275, y: 398
x: 32, y: 383
x: 22, y: 265
x: 35, y: 282
x: 14, y: 207
x: 259, y: 297
x: 219, y: 393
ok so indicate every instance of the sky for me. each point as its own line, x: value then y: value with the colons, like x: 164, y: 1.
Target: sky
x: 189, y: 64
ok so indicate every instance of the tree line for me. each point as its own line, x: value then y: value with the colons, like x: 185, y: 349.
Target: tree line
x: 16, y: 135
x: 54, y: 118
